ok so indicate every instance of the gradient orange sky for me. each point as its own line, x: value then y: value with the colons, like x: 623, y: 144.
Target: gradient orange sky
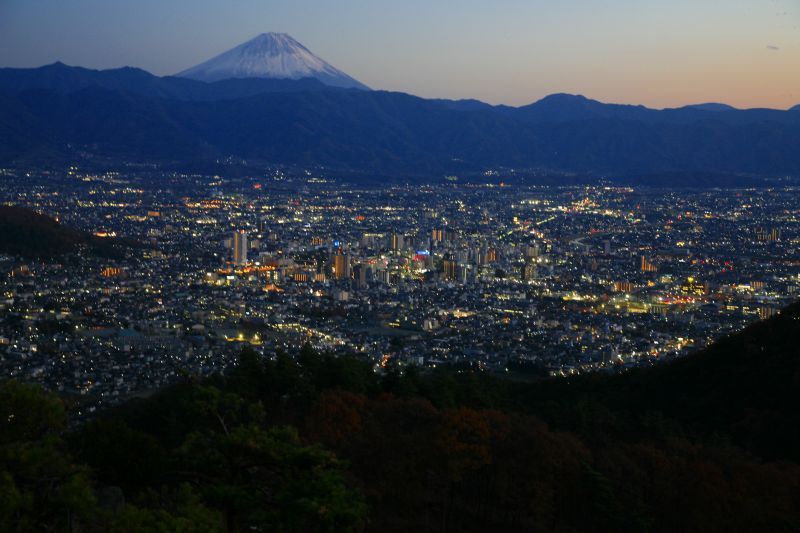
x: 657, y: 53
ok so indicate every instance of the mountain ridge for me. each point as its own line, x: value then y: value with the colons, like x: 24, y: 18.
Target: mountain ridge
x: 60, y: 113
x: 64, y: 79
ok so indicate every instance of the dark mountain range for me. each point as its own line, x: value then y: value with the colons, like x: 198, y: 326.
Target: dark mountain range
x: 63, y: 79
x: 60, y: 113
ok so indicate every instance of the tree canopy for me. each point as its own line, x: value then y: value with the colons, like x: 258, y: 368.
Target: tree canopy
x: 312, y: 442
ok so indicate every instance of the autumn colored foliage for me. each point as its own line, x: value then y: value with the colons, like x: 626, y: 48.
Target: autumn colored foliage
x: 312, y: 442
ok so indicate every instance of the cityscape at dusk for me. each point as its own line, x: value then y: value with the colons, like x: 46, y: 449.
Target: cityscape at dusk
x: 549, y: 280
x: 299, y: 267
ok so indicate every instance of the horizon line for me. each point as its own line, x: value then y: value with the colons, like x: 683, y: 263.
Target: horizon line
x: 558, y: 93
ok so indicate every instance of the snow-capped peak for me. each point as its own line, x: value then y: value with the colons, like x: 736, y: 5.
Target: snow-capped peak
x: 270, y: 55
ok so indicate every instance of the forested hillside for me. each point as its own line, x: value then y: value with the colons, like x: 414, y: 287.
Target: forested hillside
x: 308, y: 442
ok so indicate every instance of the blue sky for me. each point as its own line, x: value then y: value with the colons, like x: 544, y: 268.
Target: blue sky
x: 657, y: 53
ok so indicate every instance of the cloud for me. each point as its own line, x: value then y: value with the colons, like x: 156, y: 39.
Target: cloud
x: 773, y: 47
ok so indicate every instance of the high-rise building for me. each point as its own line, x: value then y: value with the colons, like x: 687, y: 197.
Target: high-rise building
x: 623, y: 286
x: 337, y: 266
x: 348, y: 261
x: 767, y: 312
x: 449, y: 269
x: 462, y: 273
x: 360, y: 276
x: 240, y: 247
x: 395, y: 242
x: 301, y: 277
x: 529, y: 271
x: 647, y: 266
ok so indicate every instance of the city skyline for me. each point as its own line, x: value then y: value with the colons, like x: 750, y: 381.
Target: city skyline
x: 741, y: 53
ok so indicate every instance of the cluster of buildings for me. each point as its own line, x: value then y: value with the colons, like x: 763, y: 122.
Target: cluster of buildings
x: 547, y: 280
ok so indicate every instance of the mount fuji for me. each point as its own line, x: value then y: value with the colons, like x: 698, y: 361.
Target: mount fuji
x: 270, y: 55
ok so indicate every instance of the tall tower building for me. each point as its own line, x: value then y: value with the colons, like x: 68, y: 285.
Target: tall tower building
x: 395, y: 242
x: 348, y: 262
x: 462, y: 273
x: 449, y: 269
x: 360, y: 275
x: 337, y: 266
x: 240, y: 247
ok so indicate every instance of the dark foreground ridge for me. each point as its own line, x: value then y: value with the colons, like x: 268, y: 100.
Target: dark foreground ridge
x: 32, y: 235
x: 59, y: 114
x: 316, y: 443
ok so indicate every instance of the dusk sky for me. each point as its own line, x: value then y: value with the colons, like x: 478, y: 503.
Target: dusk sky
x: 661, y: 54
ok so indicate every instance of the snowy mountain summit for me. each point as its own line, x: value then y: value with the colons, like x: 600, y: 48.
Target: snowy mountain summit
x: 270, y: 55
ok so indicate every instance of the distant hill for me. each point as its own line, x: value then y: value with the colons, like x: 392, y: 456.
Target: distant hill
x: 31, y: 235
x: 711, y: 106
x: 60, y: 113
x: 742, y: 389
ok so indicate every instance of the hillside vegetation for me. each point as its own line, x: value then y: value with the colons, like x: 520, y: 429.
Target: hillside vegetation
x: 310, y: 442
